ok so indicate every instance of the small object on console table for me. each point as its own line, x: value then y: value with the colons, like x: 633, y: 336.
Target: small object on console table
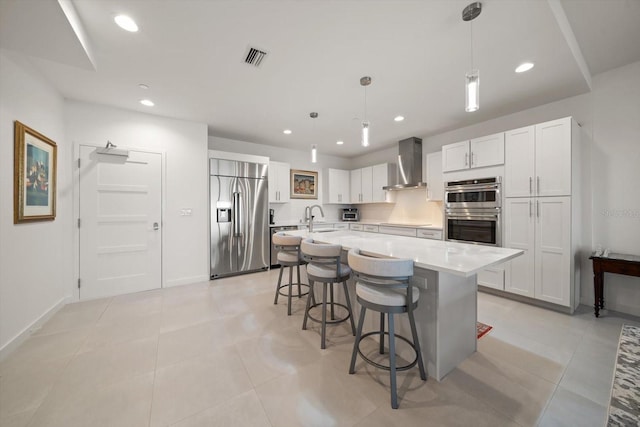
x: 628, y: 265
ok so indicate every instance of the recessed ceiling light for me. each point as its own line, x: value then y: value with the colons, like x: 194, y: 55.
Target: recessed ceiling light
x: 147, y: 102
x: 287, y: 131
x: 398, y: 118
x: 126, y: 23
x: 526, y: 66
x: 143, y: 86
x: 339, y: 142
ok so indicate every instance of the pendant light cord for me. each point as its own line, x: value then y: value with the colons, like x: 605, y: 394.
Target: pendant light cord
x: 471, y: 30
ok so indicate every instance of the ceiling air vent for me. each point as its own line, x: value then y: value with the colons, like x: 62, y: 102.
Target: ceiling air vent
x: 255, y: 56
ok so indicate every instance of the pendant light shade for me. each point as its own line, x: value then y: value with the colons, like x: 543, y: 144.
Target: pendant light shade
x: 364, y: 82
x: 365, y: 134
x: 472, y: 78
x: 314, y: 147
x: 472, y: 90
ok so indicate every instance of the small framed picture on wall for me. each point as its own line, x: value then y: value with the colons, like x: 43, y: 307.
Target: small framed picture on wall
x: 34, y: 175
x: 304, y: 184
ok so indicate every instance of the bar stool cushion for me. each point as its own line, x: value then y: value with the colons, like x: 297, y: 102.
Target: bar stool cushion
x: 281, y: 239
x: 385, y: 296
x: 289, y: 256
x: 328, y: 271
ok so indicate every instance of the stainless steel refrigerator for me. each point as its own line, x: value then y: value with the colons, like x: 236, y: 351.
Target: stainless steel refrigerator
x: 239, y: 200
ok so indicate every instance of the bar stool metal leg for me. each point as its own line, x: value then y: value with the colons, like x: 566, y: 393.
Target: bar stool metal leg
x: 381, y: 340
x: 392, y: 359
x: 299, y: 285
x: 290, y: 289
x: 324, y: 315
x: 306, y: 310
x: 416, y: 343
x: 352, y: 366
x: 275, y: 301
x: 346, y: 295
x: 333, y: 313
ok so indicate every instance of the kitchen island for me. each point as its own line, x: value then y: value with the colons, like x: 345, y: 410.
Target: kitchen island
x: 445, y: 272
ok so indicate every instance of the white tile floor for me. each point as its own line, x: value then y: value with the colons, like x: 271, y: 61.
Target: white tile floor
x: 221, y: 354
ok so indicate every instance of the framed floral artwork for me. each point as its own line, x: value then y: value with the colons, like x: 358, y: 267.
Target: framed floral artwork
x: 34, y: 175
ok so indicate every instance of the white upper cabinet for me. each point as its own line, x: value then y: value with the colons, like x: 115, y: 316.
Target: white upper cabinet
x: 519, y: 165
x: 487, y: 151
x: 455, y: 156
x: 553, y: 158
x: 336, y: 187
x: 279, y: 182
x: 433, y: 176
x: 367, y: 183
x: 476, y: 153
x: 356, y: 186
x: 538, y: 160
x: 379, y: 179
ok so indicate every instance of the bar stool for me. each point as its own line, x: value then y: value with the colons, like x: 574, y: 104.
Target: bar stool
x: 324, y: 266
x: 382, y: 285
x: 288, y: 256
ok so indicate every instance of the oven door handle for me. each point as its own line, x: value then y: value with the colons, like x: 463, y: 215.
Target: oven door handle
x: 474, y: 217
x: 472, y: 188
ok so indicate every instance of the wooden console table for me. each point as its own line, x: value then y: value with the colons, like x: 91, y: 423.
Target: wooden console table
x: 628, y: 265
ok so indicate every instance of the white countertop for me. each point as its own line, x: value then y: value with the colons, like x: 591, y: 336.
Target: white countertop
x: 460, y: 259
x: 329, y: 222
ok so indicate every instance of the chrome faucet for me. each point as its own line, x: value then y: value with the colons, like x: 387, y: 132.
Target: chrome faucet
x: 308, y: 215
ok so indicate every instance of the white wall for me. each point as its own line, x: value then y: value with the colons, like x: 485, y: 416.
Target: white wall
x: 616, y: 176
x: 35, y: 271
x: 297, y: 159
x: 185, y: 239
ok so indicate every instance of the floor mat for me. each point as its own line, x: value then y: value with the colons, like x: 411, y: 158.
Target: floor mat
x: 482, y: 329
x: 624, y: 407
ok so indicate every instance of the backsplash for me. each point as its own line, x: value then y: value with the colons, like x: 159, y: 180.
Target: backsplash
x: 410, y: 207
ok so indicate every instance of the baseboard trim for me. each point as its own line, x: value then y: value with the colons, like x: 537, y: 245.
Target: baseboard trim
x: 22, y: 336
x: 186, y: 281
x: 526, y: 300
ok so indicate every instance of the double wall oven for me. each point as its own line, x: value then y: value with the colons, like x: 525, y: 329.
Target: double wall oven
x: 473, y: 211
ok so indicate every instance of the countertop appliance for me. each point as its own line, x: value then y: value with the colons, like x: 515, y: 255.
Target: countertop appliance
x: 239, y: 231
x: 350, y: 214
x: 473, y: 211
x: 274, y: 251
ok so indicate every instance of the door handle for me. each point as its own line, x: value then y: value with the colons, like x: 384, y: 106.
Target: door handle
x: 156, y: 226
x: 538, y: 184
x: 473, y: 155
x: 530, y: 206
x: 538, y: 209
x: 466, y: 159
x: 236, y: 214
x: 530, y: 185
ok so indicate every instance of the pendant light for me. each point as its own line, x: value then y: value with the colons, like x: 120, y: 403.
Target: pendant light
x: 365, y: 81
x: 314, y: 148
x: 472, y: 77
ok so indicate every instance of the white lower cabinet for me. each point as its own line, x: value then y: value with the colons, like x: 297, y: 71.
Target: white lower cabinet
x: 341, y: 226
x: 541, y: 227
x: 355, y: 227
x: 398, y: 231
x: 492, y: 278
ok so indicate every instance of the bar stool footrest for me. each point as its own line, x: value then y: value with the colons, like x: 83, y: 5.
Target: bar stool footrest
x: 386, y: 367
x: 286, y: 294
x: 328, y: 321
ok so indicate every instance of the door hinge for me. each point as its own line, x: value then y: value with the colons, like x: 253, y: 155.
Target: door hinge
x: 78, y: 222
x: 78, y: 283
x: 78, y: 162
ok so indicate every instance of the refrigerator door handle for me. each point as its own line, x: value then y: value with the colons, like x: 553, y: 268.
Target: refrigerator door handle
x: 236, y: 215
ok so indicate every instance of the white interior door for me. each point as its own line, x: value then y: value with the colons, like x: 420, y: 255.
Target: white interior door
x: 120, y: 219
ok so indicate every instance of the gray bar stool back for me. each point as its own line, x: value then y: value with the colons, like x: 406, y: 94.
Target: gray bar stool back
x: 289, y: 255
x: 324, y: 266
x: 383, y: 285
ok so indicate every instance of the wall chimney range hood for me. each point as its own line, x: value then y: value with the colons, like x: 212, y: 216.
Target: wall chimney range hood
x: 409, y: 165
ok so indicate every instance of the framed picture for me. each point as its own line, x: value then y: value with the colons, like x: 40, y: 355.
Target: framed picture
x: 34, y: 175
x: 304, y: 184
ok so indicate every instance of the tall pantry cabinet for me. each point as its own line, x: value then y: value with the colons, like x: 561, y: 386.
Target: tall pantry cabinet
x: 542, y: 198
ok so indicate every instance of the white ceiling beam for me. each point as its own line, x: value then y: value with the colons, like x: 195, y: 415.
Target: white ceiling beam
x: 70, y: 13
x: 567, y: 32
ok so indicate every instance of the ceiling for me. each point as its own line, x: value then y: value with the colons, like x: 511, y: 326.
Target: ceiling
x: 191, y: 55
